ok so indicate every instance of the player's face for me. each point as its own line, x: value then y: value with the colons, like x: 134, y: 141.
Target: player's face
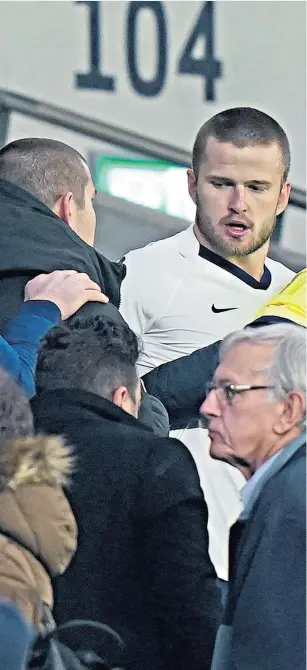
x: 238, y: 194
x: 245, y: 427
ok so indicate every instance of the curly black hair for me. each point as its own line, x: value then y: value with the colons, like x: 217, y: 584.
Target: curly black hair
x: 93, y: 354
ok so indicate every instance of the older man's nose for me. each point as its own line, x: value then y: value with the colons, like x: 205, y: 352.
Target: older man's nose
x: 210, y: 406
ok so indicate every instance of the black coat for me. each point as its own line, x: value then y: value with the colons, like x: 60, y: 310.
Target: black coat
x: 33, y: 241
x: 142, y: 565
x: 264, y: 624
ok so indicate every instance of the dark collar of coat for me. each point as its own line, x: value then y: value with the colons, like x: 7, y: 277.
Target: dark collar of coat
x: 59, y: 400
x: 34, y: 240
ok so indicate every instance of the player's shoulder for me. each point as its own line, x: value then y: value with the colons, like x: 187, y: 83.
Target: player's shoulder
x: 279, y: 272
x: 183, y: 242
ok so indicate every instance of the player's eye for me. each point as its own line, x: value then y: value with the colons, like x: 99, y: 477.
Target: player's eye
x: 257, y: 188
x: 220, y: 184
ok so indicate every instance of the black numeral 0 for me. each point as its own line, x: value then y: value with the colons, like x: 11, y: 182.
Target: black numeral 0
x: 154, y: 86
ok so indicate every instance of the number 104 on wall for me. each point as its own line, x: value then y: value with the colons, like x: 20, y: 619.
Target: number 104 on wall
x: 206, y: 66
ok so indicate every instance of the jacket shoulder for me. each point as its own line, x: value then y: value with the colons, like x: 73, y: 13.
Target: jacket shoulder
x: 170, y: 458
x: 288, y: 486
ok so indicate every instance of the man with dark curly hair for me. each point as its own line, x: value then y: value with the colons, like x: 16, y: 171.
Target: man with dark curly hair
x: 142, y: 564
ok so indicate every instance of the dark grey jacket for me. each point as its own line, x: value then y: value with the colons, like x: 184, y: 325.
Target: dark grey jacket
x: 264, y: 625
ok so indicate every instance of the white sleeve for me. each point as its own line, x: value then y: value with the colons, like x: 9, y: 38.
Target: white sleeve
x: 146, y: 290
x: 135, y: 304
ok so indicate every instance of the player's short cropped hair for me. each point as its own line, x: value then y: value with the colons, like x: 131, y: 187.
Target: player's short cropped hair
x: 91, y: 354
x: 15, y: 413
x: 45, y: 168
x: 242, y: 127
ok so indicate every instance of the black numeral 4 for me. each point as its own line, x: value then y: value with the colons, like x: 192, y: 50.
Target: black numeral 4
x: 207, y: 66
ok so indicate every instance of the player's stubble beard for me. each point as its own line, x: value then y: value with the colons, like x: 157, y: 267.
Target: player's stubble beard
x: 227, y: 248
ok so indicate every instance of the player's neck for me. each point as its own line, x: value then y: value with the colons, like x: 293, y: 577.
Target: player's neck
x: 253, y: 264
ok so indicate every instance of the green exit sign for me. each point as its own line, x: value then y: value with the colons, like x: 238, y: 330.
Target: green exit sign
x: 154, y: 184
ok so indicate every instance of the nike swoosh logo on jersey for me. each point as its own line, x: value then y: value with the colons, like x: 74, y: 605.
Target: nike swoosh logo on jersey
x: 218, y: 311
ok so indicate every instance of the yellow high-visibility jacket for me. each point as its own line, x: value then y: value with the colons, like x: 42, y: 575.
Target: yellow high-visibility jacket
x: 290, y: 303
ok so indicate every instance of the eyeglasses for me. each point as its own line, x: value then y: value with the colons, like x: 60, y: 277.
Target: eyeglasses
x: 226, y: 392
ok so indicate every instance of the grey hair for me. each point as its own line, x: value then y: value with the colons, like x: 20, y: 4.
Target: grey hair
x: 286, y: 371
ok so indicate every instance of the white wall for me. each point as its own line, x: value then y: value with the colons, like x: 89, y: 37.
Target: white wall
x: 261, y: 46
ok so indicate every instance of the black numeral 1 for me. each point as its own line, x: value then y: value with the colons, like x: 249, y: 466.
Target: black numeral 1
x: 94, y: 78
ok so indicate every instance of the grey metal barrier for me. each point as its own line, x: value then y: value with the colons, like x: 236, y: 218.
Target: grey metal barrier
x: 72, y: 121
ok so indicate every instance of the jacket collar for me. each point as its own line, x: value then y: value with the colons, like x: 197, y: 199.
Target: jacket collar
x: 85, y: 400
x: 35, y: 240
x: 240, y: 550
x: 277, y: 464
x: 43, y: 233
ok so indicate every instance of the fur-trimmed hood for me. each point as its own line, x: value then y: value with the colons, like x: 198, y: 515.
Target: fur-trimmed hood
x: 33, y: 507
x: 35, y: 460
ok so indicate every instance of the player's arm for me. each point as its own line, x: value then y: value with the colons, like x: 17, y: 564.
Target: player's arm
x: 146, y: 291
x: 181, y: 384
x: 133, y: 294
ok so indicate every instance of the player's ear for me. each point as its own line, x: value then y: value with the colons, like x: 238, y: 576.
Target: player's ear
x: 192, y: 184
x: 283, y: 197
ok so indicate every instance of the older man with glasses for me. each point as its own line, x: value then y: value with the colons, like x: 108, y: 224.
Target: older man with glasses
x: 256, y: 416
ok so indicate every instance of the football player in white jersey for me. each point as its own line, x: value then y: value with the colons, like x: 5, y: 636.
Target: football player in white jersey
x: 186, y: 292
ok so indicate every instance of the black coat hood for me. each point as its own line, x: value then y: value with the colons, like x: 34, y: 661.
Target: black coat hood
x: 34, y: 240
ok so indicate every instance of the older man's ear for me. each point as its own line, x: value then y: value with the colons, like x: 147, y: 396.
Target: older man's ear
x: 293, y: 407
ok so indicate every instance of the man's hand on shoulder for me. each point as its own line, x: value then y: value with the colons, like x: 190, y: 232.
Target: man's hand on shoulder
x: 67, y: 289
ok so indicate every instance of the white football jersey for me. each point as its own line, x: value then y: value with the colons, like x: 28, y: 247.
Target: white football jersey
x: 178, y: 301
x: 178, y: 297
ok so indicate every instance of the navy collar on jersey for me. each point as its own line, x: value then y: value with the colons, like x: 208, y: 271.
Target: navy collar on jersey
x: 264, y: 282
